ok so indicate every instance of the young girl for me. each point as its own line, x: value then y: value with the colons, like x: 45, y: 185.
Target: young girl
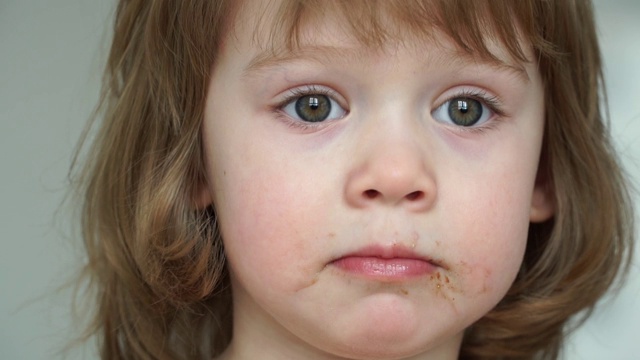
x: 351, y: 179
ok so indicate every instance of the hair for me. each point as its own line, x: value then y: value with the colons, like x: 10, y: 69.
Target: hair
x: 155, y: 264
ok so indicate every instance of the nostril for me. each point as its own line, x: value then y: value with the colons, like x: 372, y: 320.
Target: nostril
x: 371, y: 193
x: 416, y: 195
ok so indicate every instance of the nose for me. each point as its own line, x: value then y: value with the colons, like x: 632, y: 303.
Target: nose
x: 392, y: 172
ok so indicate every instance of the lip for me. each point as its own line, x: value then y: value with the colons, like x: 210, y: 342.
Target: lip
x: 386, y: 264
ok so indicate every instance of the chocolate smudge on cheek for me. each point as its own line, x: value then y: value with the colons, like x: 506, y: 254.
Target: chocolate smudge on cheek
x: 477, y: 276
x: 445, y: 288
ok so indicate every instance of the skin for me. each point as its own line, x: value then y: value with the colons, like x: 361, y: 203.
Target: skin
x: 387, y: 171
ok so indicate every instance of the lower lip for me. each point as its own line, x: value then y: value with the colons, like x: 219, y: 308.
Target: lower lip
x: 392, y: 269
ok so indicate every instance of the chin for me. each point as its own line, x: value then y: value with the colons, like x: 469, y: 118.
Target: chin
x: 396, y: 333
x: 388, y: 350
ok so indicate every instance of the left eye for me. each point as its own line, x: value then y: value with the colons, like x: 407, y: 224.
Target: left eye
x: 462, y: 111
x: 314, y: 108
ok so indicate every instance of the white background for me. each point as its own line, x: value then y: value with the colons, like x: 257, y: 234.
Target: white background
x: 51, y: 57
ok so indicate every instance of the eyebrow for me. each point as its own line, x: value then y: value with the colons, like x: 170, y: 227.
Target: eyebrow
x: 321, y: 54
x: 463, y: 59
x: 268, y: 59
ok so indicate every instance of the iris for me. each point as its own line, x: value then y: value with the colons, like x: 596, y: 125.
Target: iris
x: 313, y: 108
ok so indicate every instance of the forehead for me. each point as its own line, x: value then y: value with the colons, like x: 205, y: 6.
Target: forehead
x: 482, y: 31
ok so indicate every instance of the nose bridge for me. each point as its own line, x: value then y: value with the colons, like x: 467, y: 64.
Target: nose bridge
x: 393, y: 166
x: 395, y: 156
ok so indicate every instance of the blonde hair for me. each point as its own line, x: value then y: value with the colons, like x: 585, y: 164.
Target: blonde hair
x: 156, y: 262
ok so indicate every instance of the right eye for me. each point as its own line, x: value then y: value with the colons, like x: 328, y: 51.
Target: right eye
x: 313, y: 107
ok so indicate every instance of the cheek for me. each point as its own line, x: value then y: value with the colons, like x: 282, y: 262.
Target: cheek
x: 266, y: 224
x: 491, y: 244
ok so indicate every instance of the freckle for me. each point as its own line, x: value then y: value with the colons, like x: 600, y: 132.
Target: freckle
x: 431, y: 277
x: 404, y: 292
x: 485, y: 288
x: 331, y: 235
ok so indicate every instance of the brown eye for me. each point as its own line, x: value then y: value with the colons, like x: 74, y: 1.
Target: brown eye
x: 313, y: 108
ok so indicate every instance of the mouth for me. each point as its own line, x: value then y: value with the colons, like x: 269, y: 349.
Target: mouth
x: 386, y: 264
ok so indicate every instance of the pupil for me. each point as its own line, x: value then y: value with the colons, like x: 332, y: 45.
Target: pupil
x: 313, y: 103
x: 462, y: 106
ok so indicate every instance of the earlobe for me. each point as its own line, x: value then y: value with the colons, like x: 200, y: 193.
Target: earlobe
x: 542, y: 204
x: 202, y: 198
x: 543, y: 200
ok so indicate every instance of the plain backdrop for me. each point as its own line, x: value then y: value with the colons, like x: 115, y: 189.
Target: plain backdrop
x: 51, y: 58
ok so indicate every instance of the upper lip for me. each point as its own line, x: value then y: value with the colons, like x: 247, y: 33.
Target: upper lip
x: 390, y: 252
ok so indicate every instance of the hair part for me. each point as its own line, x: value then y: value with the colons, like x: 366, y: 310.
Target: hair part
x: 155, y: 261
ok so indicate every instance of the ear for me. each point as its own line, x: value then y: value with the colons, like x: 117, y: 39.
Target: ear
x: 543, y: 204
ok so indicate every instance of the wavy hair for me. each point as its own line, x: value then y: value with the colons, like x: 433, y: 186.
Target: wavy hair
x: 155, y: 262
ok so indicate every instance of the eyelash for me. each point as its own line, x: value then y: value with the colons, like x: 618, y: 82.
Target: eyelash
x: 296, y: 93
x: 493, y: 102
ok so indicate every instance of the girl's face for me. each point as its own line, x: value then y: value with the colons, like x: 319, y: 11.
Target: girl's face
x: 373, y: 203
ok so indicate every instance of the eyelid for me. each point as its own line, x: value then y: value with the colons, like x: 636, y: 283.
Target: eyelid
x: 303, y: 90
x: 492, y: 101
